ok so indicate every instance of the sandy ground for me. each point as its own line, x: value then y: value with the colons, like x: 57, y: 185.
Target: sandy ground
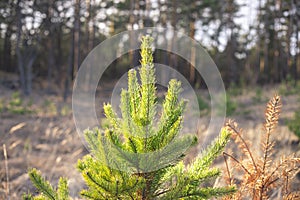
x: 47, y: 139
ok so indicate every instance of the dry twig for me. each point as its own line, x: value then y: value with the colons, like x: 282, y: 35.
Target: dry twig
x: 6, y: 170
x: 260, y: 177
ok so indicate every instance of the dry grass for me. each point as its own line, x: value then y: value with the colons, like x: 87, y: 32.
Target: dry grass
x: 49, y: 142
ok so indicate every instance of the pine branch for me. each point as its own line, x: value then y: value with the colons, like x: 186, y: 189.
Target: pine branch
x: 236, y: 135
x: 41, y: 184
x: 207, y: 193
x: 130, y: 124
x: 271, y: 116
x: 210, y: 154
x: 47, y: 191
x: 62, y: 190
x: 190, y: 178
x: 134, y: 94
x: 148, y: 90
x: 111, y: 116
x: 260, y: 177
x: 171, y: 119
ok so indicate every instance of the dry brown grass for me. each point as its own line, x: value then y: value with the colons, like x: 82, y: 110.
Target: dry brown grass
x: 262, y: 175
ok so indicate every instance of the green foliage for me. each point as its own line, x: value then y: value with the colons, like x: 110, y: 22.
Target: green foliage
x: 294, y: 124
x: 65, y: 110
x: 16, y: 99
x: 17, y: 106
x: 289, y: 87
x: 27, y: 197
x: 115, y: 172
x: 231, y: 106
x: 50, y: 107
x: 203, y: 105
x: 1, y: 105
x: 258, y: 95
x: 198, y: 172
x: 235, y: 90
x: 45, y: 188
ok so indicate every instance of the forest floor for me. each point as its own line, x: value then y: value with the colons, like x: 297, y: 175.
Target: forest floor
x: 39, y: 132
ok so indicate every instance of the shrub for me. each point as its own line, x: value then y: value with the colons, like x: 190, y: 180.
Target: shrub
x: 16, y: 105
x: 174, y: 180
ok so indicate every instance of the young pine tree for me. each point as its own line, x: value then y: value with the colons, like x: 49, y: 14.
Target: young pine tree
x: 120, y: 168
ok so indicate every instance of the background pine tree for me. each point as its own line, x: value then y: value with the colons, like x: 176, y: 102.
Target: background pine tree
x: 116, y: 171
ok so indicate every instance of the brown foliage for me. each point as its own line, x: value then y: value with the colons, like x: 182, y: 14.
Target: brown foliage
x: 261, y: 173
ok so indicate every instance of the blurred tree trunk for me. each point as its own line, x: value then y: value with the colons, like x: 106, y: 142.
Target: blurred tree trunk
x: 92, y: 28
x: 173, y: 45
x: 7, y: 49
x: 266, y: 41
x: 9, y: 30
x: 131, y: 22
x: 76, y: 39
x: 18, y: 43
x: 260, y: 40
x: 165, y: 54
x: 50, y: 44
x: 69, y: 76
x: 59, y: 57
x: 296, y: 51
x: 28, y: 63
x: 288, y: 40
x: 25, y: 56
x: 73, y: 60
x: 136, y: 53
x: 193, y: 52
x: 88, y: 28
x: 296, y: 18
x: 233, y: 38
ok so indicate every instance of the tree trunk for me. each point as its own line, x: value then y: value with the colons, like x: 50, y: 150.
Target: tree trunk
x: 7, y: 50
x: 88, y: 30
x: 288, y: 41
x: 69, y: 76
x: 260, y: 42
x: 76, y: 39
x: 28, y: 70
x: 50, y: 62
x: 297, y: 53
x: 193, y: 53
x: 18, y: 50
x: 173, y: 45
x: 50, y: 45
x: 58, y: 55
x: 131, y: 36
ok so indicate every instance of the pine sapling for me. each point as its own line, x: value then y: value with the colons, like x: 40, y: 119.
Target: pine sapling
x: 118, y: 168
